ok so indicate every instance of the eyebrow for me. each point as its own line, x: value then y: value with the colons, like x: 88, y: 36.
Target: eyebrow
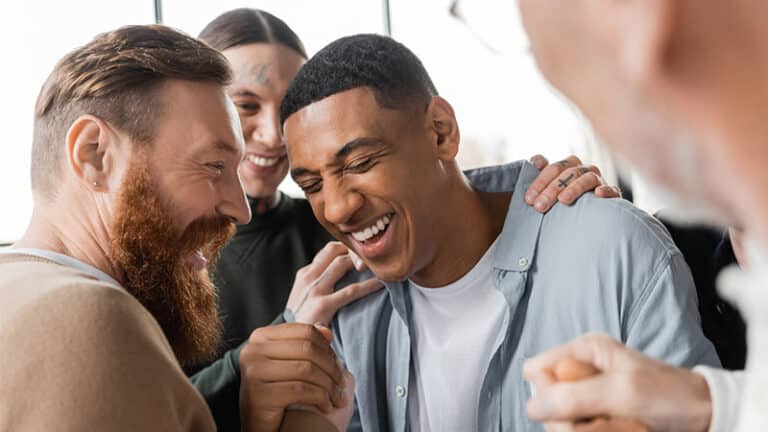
x: 356, y: 144
x: 344, y: 151
x: 218, y: 145
x: 244, y: 92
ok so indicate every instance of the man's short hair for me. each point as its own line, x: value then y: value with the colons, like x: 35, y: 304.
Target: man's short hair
x: 246, y: 26
x: 115, y: 77
x: 396, y: 76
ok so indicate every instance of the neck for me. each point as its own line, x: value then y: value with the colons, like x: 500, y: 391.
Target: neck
x: 463, y: 240
x: 72, y: 232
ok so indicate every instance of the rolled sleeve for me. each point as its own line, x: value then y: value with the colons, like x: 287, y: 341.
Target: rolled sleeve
x: 665, y: 321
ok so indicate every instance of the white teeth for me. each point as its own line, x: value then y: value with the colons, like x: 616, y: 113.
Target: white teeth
x: 264, y: 162
x: 372, y: 230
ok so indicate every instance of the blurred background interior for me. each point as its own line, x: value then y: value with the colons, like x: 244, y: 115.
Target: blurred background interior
x: 505, y: 109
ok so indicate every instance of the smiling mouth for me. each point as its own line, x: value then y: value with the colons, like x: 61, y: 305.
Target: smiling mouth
x: 264, y: 162
x: 374, y: 232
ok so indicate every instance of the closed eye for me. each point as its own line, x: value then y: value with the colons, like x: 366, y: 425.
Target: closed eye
x: 360, y: 165
x: 310, y: 186
x: 217, y: 167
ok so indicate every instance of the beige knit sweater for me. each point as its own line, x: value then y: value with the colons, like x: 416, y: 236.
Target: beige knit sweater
x: 79, y: 354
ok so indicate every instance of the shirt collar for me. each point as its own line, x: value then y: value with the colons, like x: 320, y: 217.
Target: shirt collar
x: 516, y: 245
x: 64, y: 260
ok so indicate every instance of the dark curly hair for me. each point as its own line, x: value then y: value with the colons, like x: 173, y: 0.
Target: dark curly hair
x: 394, y: 74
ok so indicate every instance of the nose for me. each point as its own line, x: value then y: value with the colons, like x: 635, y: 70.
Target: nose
x: 267, y: 131
x: 340, y: 203
x: 234, y: 204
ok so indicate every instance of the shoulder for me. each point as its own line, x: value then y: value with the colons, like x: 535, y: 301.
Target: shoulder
x: 610, y: 223
x: 87, y: 338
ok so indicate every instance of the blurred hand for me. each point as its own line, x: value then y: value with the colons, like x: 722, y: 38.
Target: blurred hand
x: 628, y: 386
x: 569, y: 370
x: 313, y: 299
x: 565, y: 181
x: 285, y: 365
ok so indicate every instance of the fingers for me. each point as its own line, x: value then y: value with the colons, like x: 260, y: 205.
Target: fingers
x: 609, y: 425
x: 288, y: 331
x: 572, y: 401
x: 353, y: 292
x: 572, y: 370
x: 283, y: 394
x: 301, y: 371
x: 539, y: 161
x: 585, y: 181
x: 295, y: 342
x: 592, y: 348
x: 320, y: 356
x: 548, y: 175
x: 606, y: 191
x: 570, y: 177
x: 340, y: 266
x: 327, y: 254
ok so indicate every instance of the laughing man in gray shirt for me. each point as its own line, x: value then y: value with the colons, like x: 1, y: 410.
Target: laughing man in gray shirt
x: 476, y: 280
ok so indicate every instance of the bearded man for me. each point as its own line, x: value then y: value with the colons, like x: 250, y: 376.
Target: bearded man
x: 134, y: 175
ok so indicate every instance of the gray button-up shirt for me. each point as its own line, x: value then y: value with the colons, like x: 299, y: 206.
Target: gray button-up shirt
x: 598, y: 265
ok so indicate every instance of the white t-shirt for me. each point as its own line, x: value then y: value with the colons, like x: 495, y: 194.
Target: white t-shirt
x: 455, y: 331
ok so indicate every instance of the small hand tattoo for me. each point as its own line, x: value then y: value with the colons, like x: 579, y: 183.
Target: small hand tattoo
x: 562, y: 183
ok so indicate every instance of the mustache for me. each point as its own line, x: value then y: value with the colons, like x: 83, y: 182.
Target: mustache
x: 207, y: 234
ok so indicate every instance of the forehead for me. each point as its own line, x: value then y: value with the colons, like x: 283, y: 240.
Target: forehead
x: 197, y: 116
x: 338, y: 119
x: 270, y: 66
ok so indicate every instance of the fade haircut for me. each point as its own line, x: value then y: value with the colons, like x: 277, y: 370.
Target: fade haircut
x: 247, y: 26
x: 396, y: 76
x: 115, y: 77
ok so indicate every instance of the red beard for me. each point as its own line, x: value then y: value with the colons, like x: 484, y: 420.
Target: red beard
x: 155, y: 263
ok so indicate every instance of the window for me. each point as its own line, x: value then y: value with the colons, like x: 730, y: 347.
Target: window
x: 35, y: 35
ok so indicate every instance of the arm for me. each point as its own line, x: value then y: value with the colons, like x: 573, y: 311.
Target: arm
x: 565, y: 181
x: 664, y: 321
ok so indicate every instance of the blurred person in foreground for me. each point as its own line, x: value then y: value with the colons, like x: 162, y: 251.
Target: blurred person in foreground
x: 677, y: 87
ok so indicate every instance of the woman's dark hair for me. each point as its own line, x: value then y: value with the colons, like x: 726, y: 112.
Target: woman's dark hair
x: 246, y: 26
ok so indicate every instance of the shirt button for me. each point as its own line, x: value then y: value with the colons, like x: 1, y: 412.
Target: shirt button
x: 400, y: 391
x: 523, y: 262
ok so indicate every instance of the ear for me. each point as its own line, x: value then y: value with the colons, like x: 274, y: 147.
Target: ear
x: 442, y: 121
x: 645, y: 29
x: 91, y: 145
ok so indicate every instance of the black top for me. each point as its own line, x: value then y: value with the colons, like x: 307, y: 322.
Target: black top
x: 707, y: 251
x: 256, y: 269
